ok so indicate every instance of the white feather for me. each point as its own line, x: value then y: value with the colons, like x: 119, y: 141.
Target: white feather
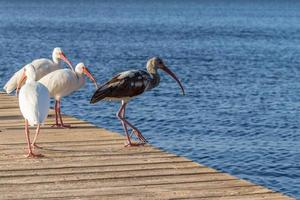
x: 129, y: 74
x: 11, y: 84
x: 138, y: 84
x: 34, y: 102
x: 42, y: 67
x: 62, y: 82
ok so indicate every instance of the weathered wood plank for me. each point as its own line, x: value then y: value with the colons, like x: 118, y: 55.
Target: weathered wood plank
x: 160, y: 192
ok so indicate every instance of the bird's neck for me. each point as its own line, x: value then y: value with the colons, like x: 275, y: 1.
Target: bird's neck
x: 155, y: 78
x: 31, y: 75
x: 80, y: 78
x: 57, y: 60
x: 30, y: 80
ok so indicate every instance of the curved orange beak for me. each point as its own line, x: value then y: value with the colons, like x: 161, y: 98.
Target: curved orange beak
x: 168, y: 71
x: 23, y: 78
x: 66, y: 60
x: 88, y: 74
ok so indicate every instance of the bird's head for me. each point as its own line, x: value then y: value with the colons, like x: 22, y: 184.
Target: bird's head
x: 82, y: 69
x: 29, y: 73
x: 158, y: 63
x: 58, y: 54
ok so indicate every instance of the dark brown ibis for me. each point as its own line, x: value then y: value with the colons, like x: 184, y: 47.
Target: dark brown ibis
x: 129, y: 84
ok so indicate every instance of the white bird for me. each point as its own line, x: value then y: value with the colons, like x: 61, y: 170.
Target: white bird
x: 42, y: 67
x: 63, y: 82
x: 34, y: 102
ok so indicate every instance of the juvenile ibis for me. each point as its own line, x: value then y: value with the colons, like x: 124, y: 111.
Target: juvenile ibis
x: 63, y: 82
x: 42, y: 67
x: 129, y: 84
x: 34, y: 104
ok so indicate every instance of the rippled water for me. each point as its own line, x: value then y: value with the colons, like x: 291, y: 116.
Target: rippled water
x: 239, y: 62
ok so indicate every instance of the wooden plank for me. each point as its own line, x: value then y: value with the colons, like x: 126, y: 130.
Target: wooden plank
x: 163, y: 193
x: 124, y: 185
x: 88, y: 162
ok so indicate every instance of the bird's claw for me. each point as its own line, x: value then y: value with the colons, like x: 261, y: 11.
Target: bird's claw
x: 61, y: 126
x: 33, y: 155
x: 33, y: 146
x: 139, y: 136
x: 134, y: 144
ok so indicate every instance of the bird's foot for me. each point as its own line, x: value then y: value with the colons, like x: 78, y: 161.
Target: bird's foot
x: 133, y: 144
x: 33, y: 146
x: 33, y: 155
x: 65, y: 126
x: 139, y: 136
x: 61, y: 126
x: 55, y: 125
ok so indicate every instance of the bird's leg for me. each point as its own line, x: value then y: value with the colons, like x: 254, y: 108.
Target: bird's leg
x: 134, y: 129
x: 27, y: 138
x: 33, y: 144
x: 30, y: 153
x: 62, y: 125
x: 137, y: 132
x: 120, y: 115
x: 56, y: 115
x: 123, y: 116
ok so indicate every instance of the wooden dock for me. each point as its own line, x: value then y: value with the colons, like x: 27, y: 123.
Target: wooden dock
x: 88, y: 162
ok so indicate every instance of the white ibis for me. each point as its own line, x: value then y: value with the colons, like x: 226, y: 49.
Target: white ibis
x: 42, y: 67
x: 129, y: 84
x: 63, y: 82
x: 34, y: 102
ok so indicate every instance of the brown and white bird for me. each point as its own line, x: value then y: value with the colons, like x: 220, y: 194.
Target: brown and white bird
x: 129, y: 84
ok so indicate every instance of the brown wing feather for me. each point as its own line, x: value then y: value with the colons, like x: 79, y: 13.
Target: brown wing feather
x: 126, y: 84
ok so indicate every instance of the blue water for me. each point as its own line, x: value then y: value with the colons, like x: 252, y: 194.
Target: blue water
x: 238, y: 60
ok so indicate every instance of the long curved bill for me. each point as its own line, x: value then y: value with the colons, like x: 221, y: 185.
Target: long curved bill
x: 23, y: 78
x: 88, y: 74
x: 66, y: 60
x: 168, y: 71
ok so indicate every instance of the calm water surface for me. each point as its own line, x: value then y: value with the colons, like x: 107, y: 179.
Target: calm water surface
x: 239, y: 62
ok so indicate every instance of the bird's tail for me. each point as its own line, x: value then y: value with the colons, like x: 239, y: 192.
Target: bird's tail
x: 12, y: 83
x: 100, y: 94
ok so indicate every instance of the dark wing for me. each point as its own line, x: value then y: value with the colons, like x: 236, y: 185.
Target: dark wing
x: 126, y: 84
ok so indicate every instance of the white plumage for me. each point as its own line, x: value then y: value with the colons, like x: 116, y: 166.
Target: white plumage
x: 42, y: 67
x: 34, y: 102
x: 63, y: 82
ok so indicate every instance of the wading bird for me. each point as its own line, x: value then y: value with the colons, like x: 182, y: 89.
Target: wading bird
x: 63, y: 82
x: 34, y: 102
x: 129, y: 84
x: 42, y: 67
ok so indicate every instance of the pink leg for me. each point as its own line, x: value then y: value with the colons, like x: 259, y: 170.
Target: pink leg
x: 30, y: 153
x: 56, y: 115
x: 121, y: 116
x: 33, y: 144
x: 135, y: 130
x: 60, y: 118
